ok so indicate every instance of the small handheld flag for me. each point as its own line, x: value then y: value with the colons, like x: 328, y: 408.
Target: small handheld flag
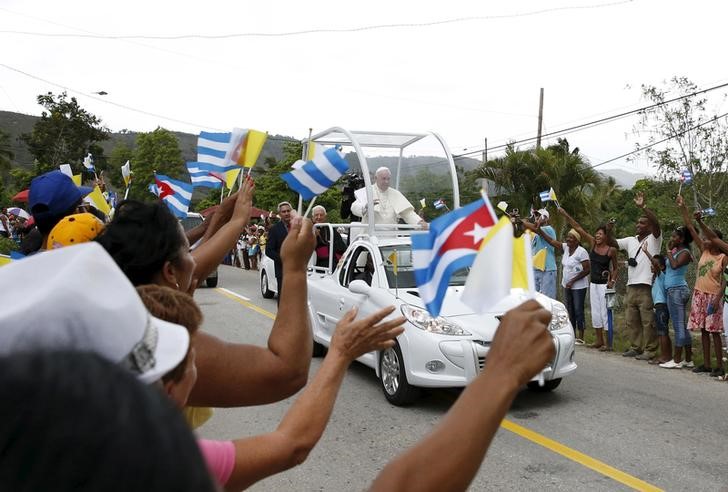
x: 88, y: 163
x: 176, y: 194
x: 439, y: 203
x: 450, y: 244
x: 204, y: 175
x: 393, y: 261
x: 686, y: 178
x: 423, y: 203
x: 316, y: 176
x: 126, y: 173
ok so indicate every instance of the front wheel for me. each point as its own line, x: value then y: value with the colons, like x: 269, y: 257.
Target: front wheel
x: 392, y: 376
x: 264, y: 290
x: 549, y: 385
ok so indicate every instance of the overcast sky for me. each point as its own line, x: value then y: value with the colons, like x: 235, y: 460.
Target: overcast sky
x: 467, y: 80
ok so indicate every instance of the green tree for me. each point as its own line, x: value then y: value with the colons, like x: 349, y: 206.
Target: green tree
x: 117, y: 158
x: 6, y: 158
x: 520, y: 175
x: 64, y: 134
x: 697, y: 139
x: 155, y: 151
x: 270, y: 189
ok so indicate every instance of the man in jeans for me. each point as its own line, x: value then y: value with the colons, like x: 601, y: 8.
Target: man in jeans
x: 545, y: 280
x: 640, y: 317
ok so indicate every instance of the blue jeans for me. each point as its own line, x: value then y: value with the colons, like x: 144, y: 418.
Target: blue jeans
x: 677, y: 303
x: 662, y: 319
x: 574, y: 300
x: 545, y: 282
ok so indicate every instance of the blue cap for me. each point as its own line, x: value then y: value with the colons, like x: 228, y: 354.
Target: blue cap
x: 54, y: 193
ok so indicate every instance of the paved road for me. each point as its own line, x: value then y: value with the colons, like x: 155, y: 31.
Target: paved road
x: 615, y: 423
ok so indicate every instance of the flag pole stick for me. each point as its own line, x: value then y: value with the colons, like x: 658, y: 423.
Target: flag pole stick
x: 310, y: 206
x: 126, y: 193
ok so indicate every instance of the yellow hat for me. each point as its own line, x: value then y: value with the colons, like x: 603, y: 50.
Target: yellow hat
x: 75, y: 229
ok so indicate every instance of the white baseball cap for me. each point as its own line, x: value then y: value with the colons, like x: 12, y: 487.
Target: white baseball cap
x: 543, y: 212
x: 77, y: 298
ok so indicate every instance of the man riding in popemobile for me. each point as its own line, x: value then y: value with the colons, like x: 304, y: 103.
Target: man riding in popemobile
x: 444, y: 350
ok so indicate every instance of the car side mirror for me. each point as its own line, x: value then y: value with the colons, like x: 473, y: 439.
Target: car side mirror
x: 359, y: 287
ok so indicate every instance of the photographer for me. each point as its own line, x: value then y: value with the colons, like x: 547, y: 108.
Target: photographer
x: 353, y: 183
x: 642, y: 332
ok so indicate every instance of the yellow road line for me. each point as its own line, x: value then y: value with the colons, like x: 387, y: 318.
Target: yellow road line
x: 535, y: 437
x: 578, y: 457
x: 247, y: 304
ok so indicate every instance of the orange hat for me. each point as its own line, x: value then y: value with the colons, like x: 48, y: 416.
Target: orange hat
x: 75, y: 229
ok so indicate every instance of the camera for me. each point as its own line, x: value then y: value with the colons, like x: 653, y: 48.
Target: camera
x: 352, y: 182
x: 632, y: 262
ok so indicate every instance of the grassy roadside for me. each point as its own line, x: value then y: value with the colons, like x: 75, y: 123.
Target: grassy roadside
x: 621, y: 341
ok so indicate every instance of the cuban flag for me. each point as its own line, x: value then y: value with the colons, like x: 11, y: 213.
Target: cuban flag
x: 88, y: 163
x: 545, y: 196
x: 451, y: 243
x: 439, y: 203
x: 317, y: 175
x: 204, y: 175
x: 686, y: 176
x: 152, y: 188
x: 176, y: 194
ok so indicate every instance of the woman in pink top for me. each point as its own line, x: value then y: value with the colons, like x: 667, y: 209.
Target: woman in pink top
x: 706, y: 311
x: 240, y: 463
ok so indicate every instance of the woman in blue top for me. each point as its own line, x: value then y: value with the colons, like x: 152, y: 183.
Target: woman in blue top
x: 678, y: 294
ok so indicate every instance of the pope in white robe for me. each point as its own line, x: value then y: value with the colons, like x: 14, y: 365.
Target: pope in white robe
x: 389, y: 204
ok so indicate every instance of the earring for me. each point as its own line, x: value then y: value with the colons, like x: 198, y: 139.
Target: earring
x: 177, y: 285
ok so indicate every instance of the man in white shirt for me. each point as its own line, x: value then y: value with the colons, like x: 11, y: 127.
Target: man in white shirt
x: 389, y: 204
x: 639, y: 314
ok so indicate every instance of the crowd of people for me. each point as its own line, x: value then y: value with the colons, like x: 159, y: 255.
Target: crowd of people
x: 657, y: 289
x: 105, y: 369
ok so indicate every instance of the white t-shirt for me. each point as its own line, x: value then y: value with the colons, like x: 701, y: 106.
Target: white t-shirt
x: 571, y: 267
x: 642, y: 273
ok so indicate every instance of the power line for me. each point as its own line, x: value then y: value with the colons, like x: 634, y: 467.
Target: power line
x: 408, y: 25
x: 597, y: 122
x: 669, y: 137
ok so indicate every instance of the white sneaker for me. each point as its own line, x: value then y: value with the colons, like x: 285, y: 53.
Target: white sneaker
x: 671, y: 364
x: 688, y: 365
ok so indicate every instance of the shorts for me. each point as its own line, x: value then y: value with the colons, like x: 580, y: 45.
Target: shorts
x: 662, y: 319
x: 699, y: 317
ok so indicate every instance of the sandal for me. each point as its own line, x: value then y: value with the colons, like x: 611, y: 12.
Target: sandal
x: 605, y: 348
x: 724, y: 377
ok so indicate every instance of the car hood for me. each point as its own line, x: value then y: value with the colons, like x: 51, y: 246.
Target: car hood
x: 480, y: 324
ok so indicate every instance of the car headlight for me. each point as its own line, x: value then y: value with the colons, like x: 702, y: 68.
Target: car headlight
x: 422, y: 320
x: 559, y: 317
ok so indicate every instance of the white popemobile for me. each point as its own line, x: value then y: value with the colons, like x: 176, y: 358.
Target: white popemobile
x: 447, y: 351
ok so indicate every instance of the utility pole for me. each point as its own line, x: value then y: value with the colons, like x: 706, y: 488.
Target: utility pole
x: 485, y: 151
x: 540, y: 120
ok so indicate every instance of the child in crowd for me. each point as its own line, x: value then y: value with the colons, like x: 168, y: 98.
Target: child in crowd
x: 662, y: 314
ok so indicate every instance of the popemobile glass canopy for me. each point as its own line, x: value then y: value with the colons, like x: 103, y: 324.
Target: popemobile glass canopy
x: 421, y: 164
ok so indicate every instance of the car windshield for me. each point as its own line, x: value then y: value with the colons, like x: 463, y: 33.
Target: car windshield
x: 190, y: 222
x: 405, y: 276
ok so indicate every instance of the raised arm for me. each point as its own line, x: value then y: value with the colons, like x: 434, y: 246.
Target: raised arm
x: 710, y: 234
x: 613, y: 268
x: 688, y: 222
x: 639, y: 200
x: 233, y: 375
x: 553, y: 242
x: 468, y: 428
x: 304, y: 423
x: 611, y: 240
x: 573, y: 223
x: 211, y: 252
